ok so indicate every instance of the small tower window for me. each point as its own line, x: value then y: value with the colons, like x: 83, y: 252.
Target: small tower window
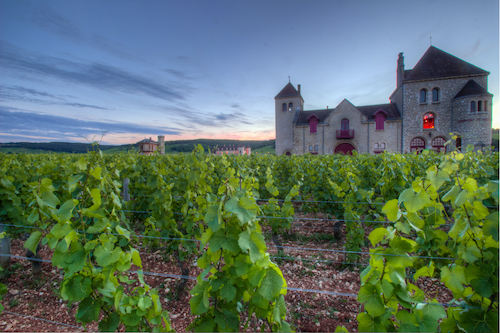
x: 423, y: 96
x: 485, y: 106
x: 480, y: 106
x: 428, y: 121
x: 283, y: 107
x: 290, y: 106
x: 435, y: 95
x: 473, y: 107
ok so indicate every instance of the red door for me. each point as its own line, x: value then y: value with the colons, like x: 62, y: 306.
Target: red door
x: 344, y: 148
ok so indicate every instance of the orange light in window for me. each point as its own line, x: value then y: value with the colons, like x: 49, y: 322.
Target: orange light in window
x: 428, y: 121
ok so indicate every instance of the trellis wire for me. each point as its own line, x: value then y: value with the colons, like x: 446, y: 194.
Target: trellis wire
x: 47, y: 320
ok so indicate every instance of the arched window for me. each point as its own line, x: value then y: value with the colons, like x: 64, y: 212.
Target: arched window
x: 480, y: 106
x: 417, y: 144
x: 435, y: 95
x: 382, y: 146
x: 283, y: 107
x: 313, y: 123
x: 473, y: 107
x: 375, y: 146
x: 316, y: 147
x: 423, y: 96
x: 290, y: 106
x: 310, y: 148
x: 344, y: 125
x: 485, y: 106
x: 438, y: 144
x: 428, y: 121
x: 458, y: 144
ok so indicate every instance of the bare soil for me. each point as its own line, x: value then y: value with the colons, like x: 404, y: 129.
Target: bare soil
x: 308, y: 311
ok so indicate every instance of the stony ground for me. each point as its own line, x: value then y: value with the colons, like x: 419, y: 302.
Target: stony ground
x: 313, y: 310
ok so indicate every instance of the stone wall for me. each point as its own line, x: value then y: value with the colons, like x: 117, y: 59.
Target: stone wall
x: 414, y: 111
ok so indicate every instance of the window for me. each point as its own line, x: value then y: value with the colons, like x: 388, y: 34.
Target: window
x: 417, y: 144
x: 344, y: 125
x: 375, y: 146
x: 316, y: 148
x: 423, y: 96
x: 473, y: 107
x: 382, y: 146
x: 428, y: 121
x: 458, y: 144
x: 283, y: 107
x: 380, y: 116
x: 313, y: 123
x: 438, y: 144
x: 310, y: 148
x: 485, y: 106
x: 480, y: 106
x: 290, y: 106
x: 435, y: 95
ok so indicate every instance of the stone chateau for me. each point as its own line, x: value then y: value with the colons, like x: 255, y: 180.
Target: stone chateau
x: 442, y: 94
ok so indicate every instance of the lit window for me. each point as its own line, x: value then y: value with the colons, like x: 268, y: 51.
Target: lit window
x: 428, y: 121
x: 423, y: 96
x: 290, y: 106
x: 472, y: 107
x: 283, y: 107
x: 435, y: 95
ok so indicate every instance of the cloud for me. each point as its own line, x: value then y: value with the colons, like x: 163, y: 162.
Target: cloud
x: 92, y: 74
x: 29, y: 124
x: 17, y: 93
x: 46, y: 18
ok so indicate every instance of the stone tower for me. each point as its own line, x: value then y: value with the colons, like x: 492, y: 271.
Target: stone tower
x: 288, y: 104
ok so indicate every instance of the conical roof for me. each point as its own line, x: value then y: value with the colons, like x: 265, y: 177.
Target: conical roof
x: 436, y: 64
x: 472, y: 88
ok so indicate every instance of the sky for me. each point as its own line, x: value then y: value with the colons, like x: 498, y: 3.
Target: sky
x: 73, y: 70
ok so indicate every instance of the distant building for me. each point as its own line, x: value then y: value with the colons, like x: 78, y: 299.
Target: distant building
x: 440, y: 95
x: 232, y: 149
x: 149, y: 147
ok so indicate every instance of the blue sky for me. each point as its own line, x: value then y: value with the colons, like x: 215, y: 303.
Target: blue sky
x: 211, y: 69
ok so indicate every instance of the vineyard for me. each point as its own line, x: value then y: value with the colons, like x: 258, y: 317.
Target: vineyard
x: 198, y: 242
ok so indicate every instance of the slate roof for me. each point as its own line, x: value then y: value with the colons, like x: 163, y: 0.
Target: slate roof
x: 147, y: 141
x: 472, y: 88
x: 288, y: 91
x: 436, y: 64
x: 321, y: 114
x: 369, y: 110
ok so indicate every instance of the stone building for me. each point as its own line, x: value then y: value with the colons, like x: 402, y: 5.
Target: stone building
x: 442, y: 94
x: 232, y: 149
x: 150, y: 147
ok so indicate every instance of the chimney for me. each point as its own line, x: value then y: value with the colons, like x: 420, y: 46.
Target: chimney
x: 298, y: 86
x: 401, y: 70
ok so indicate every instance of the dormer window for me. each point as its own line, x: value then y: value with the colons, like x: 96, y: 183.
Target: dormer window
x: 313, y: 123
x: 435, y: 95
x: 283, y: 107
x: 428, y: 121
x: 423, y: 96
x: 380, y: 117
x: 290, y: 106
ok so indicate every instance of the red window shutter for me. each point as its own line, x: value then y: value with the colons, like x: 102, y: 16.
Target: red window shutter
x: 313, y: 124
x: 379, y: 121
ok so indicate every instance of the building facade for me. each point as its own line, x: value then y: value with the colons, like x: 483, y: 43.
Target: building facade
x: 150, y: 147
x: 442, y: 94
x: 232, y: 150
